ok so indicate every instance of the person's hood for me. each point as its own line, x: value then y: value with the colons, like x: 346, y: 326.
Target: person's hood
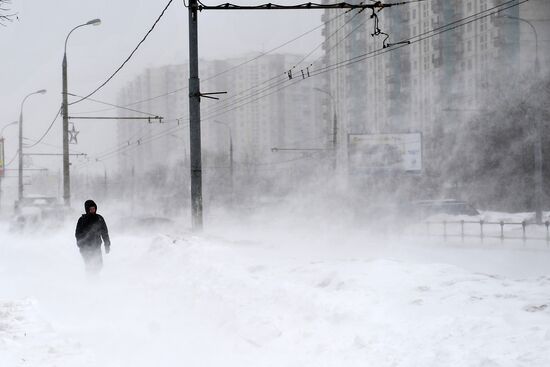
x: 88, y: 204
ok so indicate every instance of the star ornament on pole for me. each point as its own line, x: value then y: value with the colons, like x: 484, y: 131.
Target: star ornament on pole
x: 73, y: 133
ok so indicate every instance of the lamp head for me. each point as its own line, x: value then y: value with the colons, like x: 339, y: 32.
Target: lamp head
x: 41, y: 91
x: 94, y: 22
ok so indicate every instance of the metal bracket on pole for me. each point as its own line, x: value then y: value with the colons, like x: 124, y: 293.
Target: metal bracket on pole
x: 275, y: 149
x: 160, y: 118
x: 207, y: 95
x: 75, y: 154
x: 377, y: 5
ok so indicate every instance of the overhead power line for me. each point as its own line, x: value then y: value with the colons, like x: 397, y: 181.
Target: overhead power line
x: 127, y: 59
x: 47, y: 130
x: 283, y: 77
x: 11, y: 160
x: 234, y: 67
x: 278, y: 76
x: 423, y: 36
x: 359, y: 58
x: 377, y: 5
x: 414, y: 39
x: 111, y: 104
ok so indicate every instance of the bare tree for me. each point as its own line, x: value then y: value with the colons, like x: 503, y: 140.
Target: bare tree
x: 5, y: 13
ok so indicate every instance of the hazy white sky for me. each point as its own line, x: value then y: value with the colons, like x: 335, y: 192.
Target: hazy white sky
x: 32, y: 51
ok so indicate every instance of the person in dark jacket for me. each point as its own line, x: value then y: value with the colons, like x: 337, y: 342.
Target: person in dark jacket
x: 90, y: 230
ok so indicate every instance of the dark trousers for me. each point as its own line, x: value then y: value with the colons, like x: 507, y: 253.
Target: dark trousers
x: 93, y: 259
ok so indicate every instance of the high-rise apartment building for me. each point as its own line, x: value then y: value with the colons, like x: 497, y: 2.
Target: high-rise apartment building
x: 259, y: 112
x: 405, y: 88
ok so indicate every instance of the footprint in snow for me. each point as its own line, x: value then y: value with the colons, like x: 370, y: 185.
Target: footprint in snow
x: 256, y: 269
x: 535, y: 308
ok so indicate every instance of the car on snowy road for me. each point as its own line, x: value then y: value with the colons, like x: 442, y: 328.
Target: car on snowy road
x: 37, y: 212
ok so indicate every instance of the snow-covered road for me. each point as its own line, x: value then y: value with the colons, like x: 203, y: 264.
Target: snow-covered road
x: 224, y: 300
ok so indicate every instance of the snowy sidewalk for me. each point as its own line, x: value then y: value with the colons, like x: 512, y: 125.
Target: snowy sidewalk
x: 209, y: 301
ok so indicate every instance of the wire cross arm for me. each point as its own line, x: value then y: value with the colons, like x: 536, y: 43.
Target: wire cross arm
x: 73, y: 154
x: 269, y: 6
x: 209, y: 95
x: 275, y: 149
x: 148, y: 118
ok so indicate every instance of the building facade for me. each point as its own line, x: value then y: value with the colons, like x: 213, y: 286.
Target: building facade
x: 260, y: 114
x: 425, y: 86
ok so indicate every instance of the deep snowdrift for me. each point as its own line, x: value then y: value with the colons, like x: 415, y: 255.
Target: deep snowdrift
x: 296, y: 299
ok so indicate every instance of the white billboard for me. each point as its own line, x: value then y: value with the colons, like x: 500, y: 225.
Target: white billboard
x: 372, y: 153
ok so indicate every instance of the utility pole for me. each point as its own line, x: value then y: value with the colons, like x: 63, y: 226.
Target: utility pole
x: 231, y: 167
x: 334, y: 127
x: 538, y: 172
x: 195, y: 118
x: 20, y: 150
x: 2, y: 167
x: 105, y: 182
x: 65, y: 114
x: 194, y: 84
x: 537, y: 146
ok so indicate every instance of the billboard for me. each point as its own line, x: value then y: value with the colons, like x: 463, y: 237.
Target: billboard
x: 377, y: 153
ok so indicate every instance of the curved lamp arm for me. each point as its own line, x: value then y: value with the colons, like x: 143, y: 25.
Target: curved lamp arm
x: 91, y: 22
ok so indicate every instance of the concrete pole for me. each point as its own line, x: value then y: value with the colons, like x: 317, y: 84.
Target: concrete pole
x: 538, y: 172
x: 195, y: 119
x: 231, y: 165
x: 65, y: 114
x: 2, y: 152
x: 20, y: 153
x: 20, y: 150
x: 538, y: 140
x: 3, y: 161
x: 335, y: 137
x: 334, y: 127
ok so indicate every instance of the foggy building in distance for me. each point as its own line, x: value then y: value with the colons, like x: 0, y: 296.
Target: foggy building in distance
x: 266, y: 112
x: 149, y: 142
x: 259, y: 112
x: 425, y: 86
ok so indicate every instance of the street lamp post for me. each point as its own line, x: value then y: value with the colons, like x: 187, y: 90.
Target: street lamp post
x: 2, y: 157
x: 230, y: 154
x: 65, y: 113
x: 538, y: 141
x: 334, y: 124
x: 104, y: 178
x: 7, y: 125
x: 20, y: 151
x: 537, y: 63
